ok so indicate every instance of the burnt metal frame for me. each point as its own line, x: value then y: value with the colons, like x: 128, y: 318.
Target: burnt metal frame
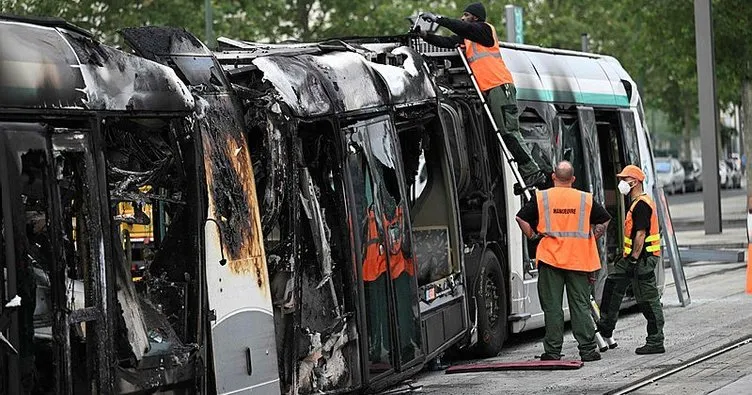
x: 11, y: 363
x: 96, y: 310
x: 61, y: 323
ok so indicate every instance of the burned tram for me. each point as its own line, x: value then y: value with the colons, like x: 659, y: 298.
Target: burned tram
x: 298, y: 218
x: 86, y: 131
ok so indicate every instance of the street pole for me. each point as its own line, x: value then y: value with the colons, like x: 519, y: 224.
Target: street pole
x: 208, y: 24
x: 515, y: 25
x: 585, y: 42
x: 708, y: 115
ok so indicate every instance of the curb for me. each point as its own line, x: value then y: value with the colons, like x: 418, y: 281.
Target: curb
x: 731, y: 223
x: 712, y: 246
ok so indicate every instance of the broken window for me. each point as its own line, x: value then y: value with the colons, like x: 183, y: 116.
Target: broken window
x: 44, y: 198
x: 572, y: 149
x: 153, y: 200
x: 537, y: 135
x: 390, y: 258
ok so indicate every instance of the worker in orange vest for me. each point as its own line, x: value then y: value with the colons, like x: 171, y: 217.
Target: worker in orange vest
x: 494, y: 79
x: 642, y: 253
x: 401, y: 271
x: 567, y: 223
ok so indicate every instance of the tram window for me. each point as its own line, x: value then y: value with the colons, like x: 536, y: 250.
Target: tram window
x: 629, y: 130
x: 413, y: 143
x: 537, y: 135
x: 571, y: 150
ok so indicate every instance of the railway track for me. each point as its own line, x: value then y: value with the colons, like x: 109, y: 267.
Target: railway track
x: 667, y: 373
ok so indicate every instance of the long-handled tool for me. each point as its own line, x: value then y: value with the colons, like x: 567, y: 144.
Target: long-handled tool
x: 507, y: 154
x: 603, y: 343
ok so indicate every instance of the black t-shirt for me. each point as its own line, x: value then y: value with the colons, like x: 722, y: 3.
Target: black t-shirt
x: 529, y: 213
x: 641, y: 221
x: 478, y: 32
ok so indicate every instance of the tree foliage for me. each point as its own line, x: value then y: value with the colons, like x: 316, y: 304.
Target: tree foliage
x: 654, y: 39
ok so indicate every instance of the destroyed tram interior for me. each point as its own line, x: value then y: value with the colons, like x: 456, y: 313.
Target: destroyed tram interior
x: 275, y: 218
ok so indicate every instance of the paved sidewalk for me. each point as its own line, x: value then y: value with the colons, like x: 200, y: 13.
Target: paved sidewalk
x: 687, y: 218
x: 733, y: 209
x: 730, y: 238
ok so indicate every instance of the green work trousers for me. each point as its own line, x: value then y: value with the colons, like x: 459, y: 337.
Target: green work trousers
x: 502, y: 101
x: 551, y: 282
x: 377, y: 315
x: 641, y: 275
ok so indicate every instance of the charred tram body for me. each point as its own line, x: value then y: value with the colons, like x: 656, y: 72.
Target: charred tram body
x: 328, y: 217
x: 84, y: 129
x: 376, y: 151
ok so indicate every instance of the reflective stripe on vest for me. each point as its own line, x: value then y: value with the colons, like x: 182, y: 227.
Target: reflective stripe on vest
x: 580, y: 234
x: 564, y: 216
x: 653, y: 239
x: 487, y: 64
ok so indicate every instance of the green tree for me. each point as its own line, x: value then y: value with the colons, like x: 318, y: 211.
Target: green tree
x: 732, y: 24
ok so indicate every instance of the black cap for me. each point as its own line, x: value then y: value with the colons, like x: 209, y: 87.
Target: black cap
x: 477, y: 9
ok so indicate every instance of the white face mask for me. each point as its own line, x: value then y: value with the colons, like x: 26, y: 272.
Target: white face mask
x: 624, y: 187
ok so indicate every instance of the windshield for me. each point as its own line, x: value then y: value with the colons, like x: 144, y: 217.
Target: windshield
x: 663, y: 167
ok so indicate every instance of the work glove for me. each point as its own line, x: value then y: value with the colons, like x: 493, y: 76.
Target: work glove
x: 538, y: 236
x: 429, y: 17
x: 591, y: 277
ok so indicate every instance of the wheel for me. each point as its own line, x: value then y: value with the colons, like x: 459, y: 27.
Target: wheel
x: 491, y: 297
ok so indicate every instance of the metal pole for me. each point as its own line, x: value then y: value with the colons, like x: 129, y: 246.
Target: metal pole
x: 515, y: 25
x: 511, y: 29
x: 208, y: 24
x: 585, y: 42
x: 708, y: 114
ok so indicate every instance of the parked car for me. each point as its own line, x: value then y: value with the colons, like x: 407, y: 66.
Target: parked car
x: 735, y: 173
x: 670, y: 175
x: 692, y: 175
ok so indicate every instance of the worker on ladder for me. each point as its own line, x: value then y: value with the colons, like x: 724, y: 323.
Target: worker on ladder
x: 494, y: 79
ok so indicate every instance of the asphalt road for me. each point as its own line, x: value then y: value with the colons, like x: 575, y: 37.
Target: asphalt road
x: 719, y: 312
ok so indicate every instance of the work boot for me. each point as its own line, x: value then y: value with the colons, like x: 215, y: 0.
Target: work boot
x: 550, y: 357
x: 650, y: 349
x: 591, y: 356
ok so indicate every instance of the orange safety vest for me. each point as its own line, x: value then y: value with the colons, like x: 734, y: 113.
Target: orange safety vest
x: 374, y: 261
x: 398, y: 263
x: 653, y: 238
x: 486, y: 63
x: 564, y: 216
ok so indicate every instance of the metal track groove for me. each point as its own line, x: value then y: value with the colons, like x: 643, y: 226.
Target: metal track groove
x: 694, y: 361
